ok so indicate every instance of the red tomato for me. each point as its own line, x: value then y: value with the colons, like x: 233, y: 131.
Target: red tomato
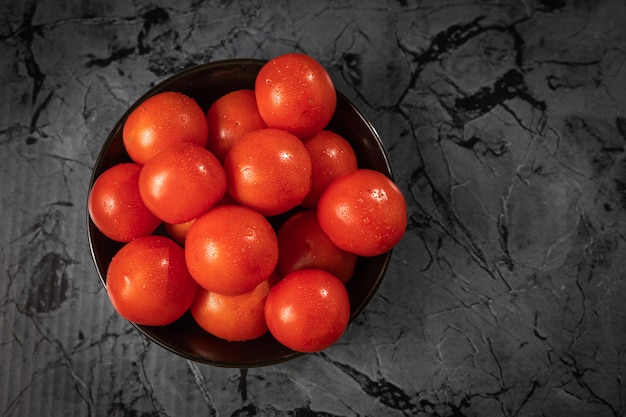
x: 182, y: 182
x: 308, y: 310
x: 331, y: 157
x: 363, y: 212
x: 178, y: 231
x: 116, y: 207
x: 161, y: 121
x: 230, y: 117
x: 231, y: 249
x: 233, y: 318
x: 268, y: 170
x: 302, y: 244
x: 148, y: 282
x: 294, y: 92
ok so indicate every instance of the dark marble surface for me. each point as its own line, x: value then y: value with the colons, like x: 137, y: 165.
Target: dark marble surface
x: 505, y: 122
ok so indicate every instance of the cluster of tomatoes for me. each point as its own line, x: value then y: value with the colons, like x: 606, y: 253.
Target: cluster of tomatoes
x: 216, y: 181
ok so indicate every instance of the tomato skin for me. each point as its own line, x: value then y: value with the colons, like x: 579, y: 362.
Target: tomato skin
x: 363, y: 212
x: 230, y: 117
x: 302, y: 244
x: 148, y: 282
x: 294, y: 92
x: 331, y: 157
x: 307, y: 310
x: 233, y: 318
x: 268, y: 170
x: 178, y: 231
x: 182, y: 182
x: 163, y: 120
x: 115, y: 205
x: 231, y: 249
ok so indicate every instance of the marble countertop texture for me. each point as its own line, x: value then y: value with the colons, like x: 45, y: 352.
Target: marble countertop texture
x: 505, y: 123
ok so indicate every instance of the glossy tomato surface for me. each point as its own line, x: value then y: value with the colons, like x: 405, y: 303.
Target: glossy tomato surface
x: 233, y: 318
x: 230, y: 117
x: 308, y: 310
x: 363, y: 212
x: 182, y: 182
x: 231, y: 249
x: 331, y: 157
x: 148, y: 282
x: 268, y: 170
x: 294, y: 92
x: 115, y: 205
x: 162, y: 120
x: 302, y: 244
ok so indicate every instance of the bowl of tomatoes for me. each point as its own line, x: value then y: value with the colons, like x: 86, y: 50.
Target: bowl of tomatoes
x: 226, y: 217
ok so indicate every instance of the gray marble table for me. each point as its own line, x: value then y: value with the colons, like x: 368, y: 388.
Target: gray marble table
x: 505, y: 122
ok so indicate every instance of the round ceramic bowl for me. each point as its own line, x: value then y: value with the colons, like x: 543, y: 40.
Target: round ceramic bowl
x: 206, y: 83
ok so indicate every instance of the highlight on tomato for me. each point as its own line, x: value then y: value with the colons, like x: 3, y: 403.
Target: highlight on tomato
x: 231, y: 249
x: 268, y: 170
x: 115, y: 205
x: 294, y: 92
x: 230, y: 117
x: 163, y: 120
x: 331, y: 157
x: 148, y: 282
x: 308, y: 310
x: 363, y: 212
x: 182, y: 182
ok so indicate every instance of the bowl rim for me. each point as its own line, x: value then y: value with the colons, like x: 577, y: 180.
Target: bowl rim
x: 96, y: 170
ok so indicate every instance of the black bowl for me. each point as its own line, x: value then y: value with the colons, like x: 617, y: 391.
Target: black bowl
x: 206, y: 83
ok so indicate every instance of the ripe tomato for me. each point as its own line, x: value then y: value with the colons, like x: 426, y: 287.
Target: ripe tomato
x: 363, y: 212
x: 308, y: 310
x: 331, y: 157
x: 231, y: 249
x: 230, y: 117
x: 182, y: 182
x: 268, y: 170
x: 302, y: 244
x: 294, y: 92
x: 148, y: 282
x: 178, y: 231
x: 161, y: 121
x: 234, y: 318
x: 115, y: 205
